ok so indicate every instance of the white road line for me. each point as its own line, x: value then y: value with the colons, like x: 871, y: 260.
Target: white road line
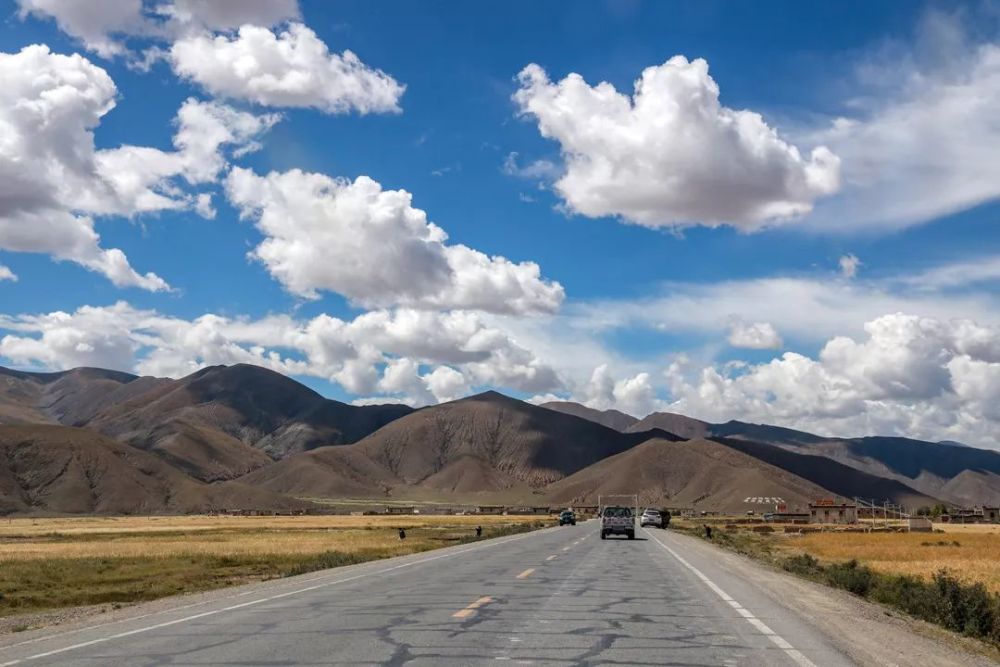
x: 251, y: 603
x: 761, y: 627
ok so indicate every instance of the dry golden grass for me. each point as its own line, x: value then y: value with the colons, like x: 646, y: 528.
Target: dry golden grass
x: 22, y: 539
x: 50, y: 563
x: 968, y: 527
x: 132, y: 524
x: 976, y: 558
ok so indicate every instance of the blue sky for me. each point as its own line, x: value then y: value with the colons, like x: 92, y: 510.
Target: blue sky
x: 660, y: 284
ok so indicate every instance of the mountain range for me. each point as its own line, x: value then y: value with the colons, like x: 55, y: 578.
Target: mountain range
x: 90, y: 440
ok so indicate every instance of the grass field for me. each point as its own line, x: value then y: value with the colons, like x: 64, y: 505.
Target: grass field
x: 54, y: 563
x: 948, y: 578
x: 971, y: 556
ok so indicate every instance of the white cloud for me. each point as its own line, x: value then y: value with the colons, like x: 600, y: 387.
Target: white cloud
x: 292, y: 68
x: 849, y: 266
x: 372, y: 246
x: 755, y: 336
x: 402, y: 379
x: 7, y: 274
x: 537, y: 170
x: 221, y: 15
x: 922, y: 140
x: 984, y: 269
x: 671, y: 154
x: 95, y: 24
x: 911, y: 376
x: 53, y: 181
x: 805, y: 310
x: 104, y: 26
x: 49, y: 179
x: 377, y: 351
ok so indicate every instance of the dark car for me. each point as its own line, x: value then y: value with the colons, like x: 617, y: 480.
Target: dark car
x: 567, y: 516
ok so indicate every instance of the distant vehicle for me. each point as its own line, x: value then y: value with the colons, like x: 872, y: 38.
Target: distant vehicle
x: 616, y: 520
x: 749, y: 512
x: 768, y: 516
x: 651, y: 517
x: 567, y: 516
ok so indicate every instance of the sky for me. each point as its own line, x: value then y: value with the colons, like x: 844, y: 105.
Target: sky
x: 776, y: 212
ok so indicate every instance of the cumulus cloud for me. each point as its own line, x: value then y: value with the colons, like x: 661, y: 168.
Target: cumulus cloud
x: 671, y: 154
x: 53, y: 181
x: 754, y: 336
x: 7, y: 274
x: 372, y: 246
x: 402, y: 379
x: 224, y: 15
x: 912, y: 376
x: 104, y: 27
x: 98, y: 25
x: 634, y: 395
x: 921, y: 136
x: 290, y: 68
x: 418, y: 356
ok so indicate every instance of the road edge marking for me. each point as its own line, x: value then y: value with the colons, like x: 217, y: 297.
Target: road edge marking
x: 747, y: 615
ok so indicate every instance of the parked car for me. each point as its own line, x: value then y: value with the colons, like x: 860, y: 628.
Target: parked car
x: 617, y: 520
x: 651, y: 517
x: 567, y: 517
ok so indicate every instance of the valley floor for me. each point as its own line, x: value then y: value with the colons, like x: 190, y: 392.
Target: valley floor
x: 554, y: 596
x: 54, y: 563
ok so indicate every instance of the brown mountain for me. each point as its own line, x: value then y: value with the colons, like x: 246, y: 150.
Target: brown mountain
x: 702, y: 472
x: 61, y: 469
x: 218, y: 423
x: 686, y: 427
x: 271, y: 432
x: 481, y: 444
x: 955, y: 473
x: 615, y: 419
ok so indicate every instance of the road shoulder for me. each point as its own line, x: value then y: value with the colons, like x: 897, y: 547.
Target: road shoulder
x: 868, y: 633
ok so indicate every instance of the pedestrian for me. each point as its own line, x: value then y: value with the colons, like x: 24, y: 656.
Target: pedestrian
x: 708, y: 531
x: 479, y: 531
x: 402, y: 534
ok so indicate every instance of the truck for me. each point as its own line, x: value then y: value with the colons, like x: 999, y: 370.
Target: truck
x: 617, y: 520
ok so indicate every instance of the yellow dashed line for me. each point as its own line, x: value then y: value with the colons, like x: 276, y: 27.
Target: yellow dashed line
x: 552, y: 557
x: 526, y: 573
x: 471, y: 609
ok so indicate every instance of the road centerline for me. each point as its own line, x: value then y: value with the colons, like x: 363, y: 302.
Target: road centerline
x: 526, y: 573
x: 470, y: 609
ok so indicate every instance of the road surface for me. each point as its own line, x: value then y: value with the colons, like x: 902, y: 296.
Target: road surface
x: 557, y: 596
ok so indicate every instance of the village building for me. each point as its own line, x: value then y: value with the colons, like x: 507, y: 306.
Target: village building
x: 832, y: 511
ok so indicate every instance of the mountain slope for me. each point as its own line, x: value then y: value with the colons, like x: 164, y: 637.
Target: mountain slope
x: 615, y: 419
x: 836, y: 477
x: 714, y: 476
x: 686, y: 427
x: 61, y: 469
x: 954, y: 473
x: 484, y: 443
x: 216, y: 424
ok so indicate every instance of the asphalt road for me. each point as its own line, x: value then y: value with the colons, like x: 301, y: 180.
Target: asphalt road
x: 558, y: 596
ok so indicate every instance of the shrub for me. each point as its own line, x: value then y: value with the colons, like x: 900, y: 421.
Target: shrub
x: 803, y: 564
x: 965, y: 608
x: 850, y: 576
